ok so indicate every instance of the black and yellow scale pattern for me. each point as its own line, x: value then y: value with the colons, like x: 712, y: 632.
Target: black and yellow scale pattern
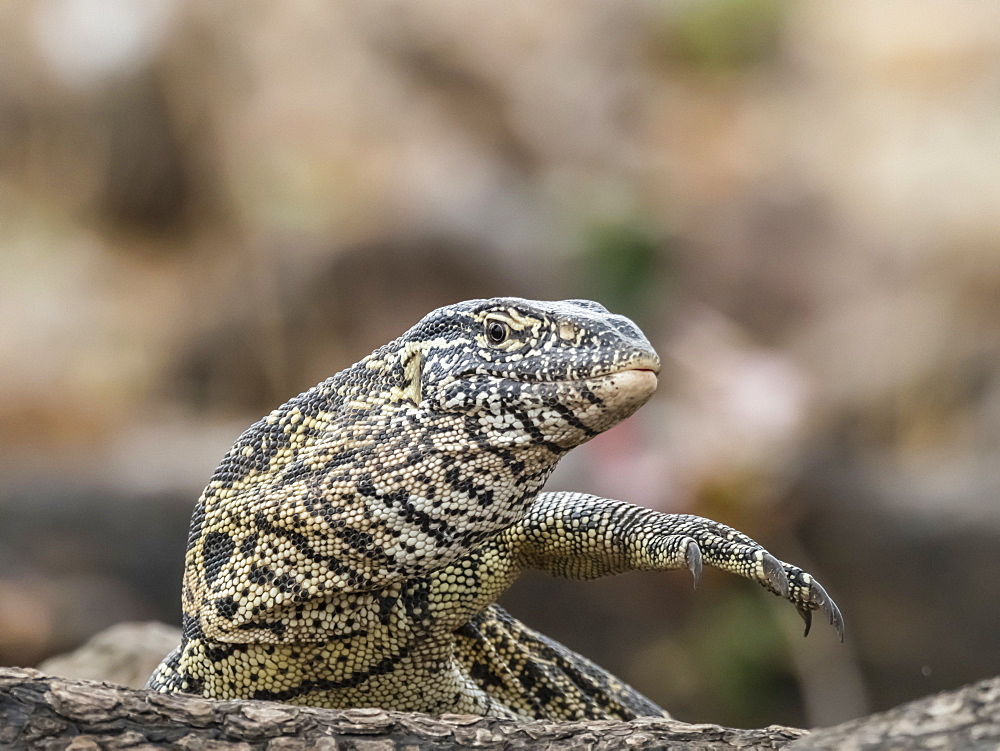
x: 350, y: 547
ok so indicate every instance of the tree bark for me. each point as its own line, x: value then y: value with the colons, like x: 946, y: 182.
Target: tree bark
x: 966, y: 718
x: 39, y: 711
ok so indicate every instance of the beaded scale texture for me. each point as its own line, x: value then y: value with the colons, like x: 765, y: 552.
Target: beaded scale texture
x: 350, y: 547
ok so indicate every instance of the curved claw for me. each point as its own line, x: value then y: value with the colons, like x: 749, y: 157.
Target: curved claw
x: 820, y: 600
x: 693, y: 558
x: 807, y: 616
x: 825, y: 603
x: 774, y: 573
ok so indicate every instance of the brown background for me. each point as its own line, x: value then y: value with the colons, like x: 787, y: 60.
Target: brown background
x: 205, y: 208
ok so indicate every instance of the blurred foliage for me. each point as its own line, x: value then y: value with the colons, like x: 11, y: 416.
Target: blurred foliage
x: 730, y: 655
x: 724, y: 36
x: 625, y: 265
x: 738, y: 645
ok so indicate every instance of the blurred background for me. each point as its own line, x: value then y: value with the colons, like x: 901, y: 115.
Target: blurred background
x: 206, y: 208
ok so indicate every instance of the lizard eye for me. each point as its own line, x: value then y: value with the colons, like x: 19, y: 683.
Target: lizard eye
x: 497, y: 332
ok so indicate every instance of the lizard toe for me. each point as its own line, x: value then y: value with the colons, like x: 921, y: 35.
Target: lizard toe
x: 823, y: 602
x: 774, y: 576
x: 693, y: 557
x: 816, y: 598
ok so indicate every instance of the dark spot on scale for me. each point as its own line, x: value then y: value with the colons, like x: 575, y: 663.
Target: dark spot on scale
x: 226, y: 607
x: 216, y: 550
x: 248, y: 545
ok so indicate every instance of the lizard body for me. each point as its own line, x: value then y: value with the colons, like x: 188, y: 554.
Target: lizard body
x: 350, y: 547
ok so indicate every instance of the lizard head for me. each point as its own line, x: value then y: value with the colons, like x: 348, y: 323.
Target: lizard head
x: 531, y: 372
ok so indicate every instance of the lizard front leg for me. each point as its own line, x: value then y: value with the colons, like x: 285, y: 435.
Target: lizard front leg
x: 582, y: 536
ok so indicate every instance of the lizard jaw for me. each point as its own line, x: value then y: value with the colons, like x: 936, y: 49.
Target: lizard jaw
x: 620, y: 393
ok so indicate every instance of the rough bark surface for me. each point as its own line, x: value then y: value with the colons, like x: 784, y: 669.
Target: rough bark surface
x: 39, y: 711
x: 967, y: 718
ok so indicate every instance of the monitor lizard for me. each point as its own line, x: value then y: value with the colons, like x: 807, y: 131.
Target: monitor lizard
x: 349, y: 549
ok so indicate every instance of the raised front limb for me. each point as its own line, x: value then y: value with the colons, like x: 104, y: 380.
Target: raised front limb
x: 582, y: 536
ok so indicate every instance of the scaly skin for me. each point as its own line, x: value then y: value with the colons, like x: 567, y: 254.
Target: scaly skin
x: 350, y: 547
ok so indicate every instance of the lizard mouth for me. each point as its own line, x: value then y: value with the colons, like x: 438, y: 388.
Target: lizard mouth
x: 631, y: 380
x: 624, y: 390
x: 603, y: 401
x: 644, y: 366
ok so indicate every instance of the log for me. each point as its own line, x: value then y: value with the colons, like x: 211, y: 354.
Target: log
x: 966, y: 718
x: 39, y: 711
x: 45, y: 712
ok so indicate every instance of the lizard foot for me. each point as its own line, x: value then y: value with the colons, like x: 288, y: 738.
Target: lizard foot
x: 687, y: 541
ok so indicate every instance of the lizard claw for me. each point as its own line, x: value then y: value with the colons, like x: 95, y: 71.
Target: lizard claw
x: 774, y: 574
x: 819, y: 600
x: 819, y: 596
x: 807, y: 616
x: 693, y: 558
x: 691, y: 541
